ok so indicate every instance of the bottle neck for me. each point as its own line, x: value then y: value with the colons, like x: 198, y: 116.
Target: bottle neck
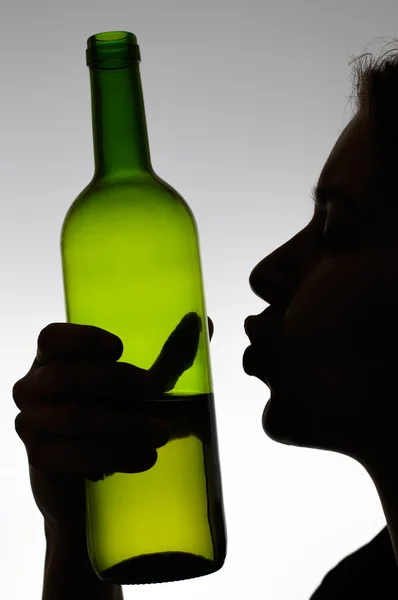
x: 121, y: 145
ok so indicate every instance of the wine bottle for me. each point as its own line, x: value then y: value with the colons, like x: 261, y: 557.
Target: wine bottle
x: 131, y: 265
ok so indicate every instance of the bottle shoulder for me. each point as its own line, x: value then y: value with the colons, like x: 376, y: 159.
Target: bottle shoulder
x: 133, y: 189
x: 130, y: 197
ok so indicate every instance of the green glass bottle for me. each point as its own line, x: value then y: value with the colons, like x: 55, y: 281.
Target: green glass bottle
x: 131, y: 265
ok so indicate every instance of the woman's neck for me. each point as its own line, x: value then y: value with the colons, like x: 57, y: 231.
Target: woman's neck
x: 385, y: 477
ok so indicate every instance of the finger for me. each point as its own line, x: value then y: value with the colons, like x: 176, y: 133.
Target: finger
x: 84, y: 456
x: 69, y: 341
x: 114, y: 384
x: 211, y: 327
x: 178, y: 353
x: 20, y: 385
x: 76, y: 421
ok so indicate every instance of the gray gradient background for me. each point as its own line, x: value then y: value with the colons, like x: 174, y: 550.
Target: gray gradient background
x: 244, y: 101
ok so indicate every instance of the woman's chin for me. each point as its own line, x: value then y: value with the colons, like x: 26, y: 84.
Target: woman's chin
x: 280, y: 426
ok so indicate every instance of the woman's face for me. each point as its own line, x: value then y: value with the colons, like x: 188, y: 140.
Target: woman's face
x: 327, y: 346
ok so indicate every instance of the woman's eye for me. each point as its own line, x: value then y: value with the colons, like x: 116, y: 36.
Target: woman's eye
x: 333, y: 240
x: 340, y: 232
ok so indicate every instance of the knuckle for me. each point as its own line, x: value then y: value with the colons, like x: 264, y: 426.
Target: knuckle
x: 20, y: 426
x: 19, y: 391
x: 47, y: 334
x: 16, y: 388
x: 51, y: 341
x: 22, y: 389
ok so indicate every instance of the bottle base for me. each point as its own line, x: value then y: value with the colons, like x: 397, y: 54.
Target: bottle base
x: 161, y: 567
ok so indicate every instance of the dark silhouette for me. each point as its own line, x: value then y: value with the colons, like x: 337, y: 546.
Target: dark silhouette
x: 370, y: 572
x: 326, y: 348
x: 84, y: 414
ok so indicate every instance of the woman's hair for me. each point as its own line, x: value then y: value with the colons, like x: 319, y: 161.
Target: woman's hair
x: 375, y: 92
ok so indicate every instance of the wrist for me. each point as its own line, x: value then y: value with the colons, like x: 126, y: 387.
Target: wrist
x: 68, y: 571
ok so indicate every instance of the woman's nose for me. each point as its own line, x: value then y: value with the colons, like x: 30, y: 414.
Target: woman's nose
x: 270, y: 281
x: 276, y: 278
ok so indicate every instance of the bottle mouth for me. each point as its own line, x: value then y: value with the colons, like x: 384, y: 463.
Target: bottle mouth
x: 112, y: 49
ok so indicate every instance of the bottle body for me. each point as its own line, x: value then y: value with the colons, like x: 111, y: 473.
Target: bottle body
x: 131, y: 265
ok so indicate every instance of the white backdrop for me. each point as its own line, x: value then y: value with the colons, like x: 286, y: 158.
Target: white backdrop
x: 244, y: 101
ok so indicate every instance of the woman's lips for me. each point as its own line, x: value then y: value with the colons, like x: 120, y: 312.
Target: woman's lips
x: 261, y: 329
x: 265, y: 333
x: 253, y: 361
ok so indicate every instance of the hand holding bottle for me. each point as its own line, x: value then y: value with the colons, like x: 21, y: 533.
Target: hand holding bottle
x: 78, y: 416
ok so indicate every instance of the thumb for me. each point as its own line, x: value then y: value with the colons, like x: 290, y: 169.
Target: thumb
x: 178, y: 353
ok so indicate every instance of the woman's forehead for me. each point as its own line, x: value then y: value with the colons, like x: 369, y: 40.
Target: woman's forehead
x: 351, y: 161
